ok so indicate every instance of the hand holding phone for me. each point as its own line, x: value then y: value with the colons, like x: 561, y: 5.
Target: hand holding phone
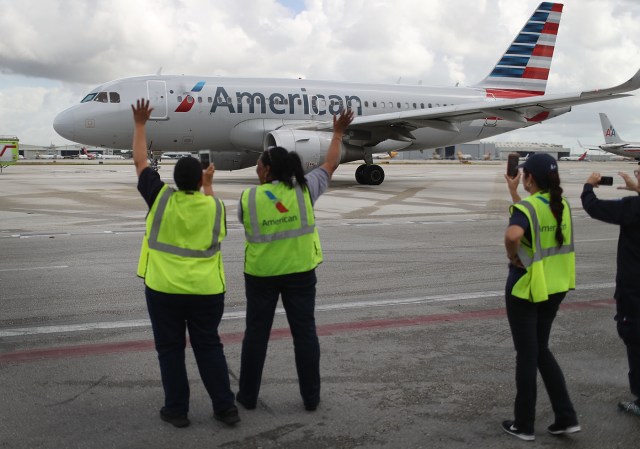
x: 606, y: 181
x: 512, y: 165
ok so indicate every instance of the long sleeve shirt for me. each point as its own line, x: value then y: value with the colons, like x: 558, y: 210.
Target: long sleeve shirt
x: 625, y: 213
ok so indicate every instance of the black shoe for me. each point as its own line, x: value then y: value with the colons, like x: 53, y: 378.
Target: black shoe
x: 246, y: 404
x: 175, y: 418
x: 510, y: 428
x: 560, y: 429
x: 229, y: 416
x: 311, y: 407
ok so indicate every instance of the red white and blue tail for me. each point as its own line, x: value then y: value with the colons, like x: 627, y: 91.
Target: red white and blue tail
x: 523, y: 70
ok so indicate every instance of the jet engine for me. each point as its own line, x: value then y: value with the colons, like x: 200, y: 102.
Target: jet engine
x: 311, y: 146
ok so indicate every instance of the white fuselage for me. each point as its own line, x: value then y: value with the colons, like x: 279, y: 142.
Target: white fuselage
x: 234, y: 115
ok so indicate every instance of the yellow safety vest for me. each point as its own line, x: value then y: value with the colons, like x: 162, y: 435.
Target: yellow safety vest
x: 280, y: 231
x: 550, y: 269
x: 181, y: 248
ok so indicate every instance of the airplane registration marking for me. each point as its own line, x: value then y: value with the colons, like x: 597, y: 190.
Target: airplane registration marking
x: 240, y: 314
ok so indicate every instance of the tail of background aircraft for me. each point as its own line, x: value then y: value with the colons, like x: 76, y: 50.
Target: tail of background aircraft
x: 523, y: 70
x: 610, y: 134
x: 583, y: 157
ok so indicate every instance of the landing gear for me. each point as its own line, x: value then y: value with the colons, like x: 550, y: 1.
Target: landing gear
x: 369, y: 174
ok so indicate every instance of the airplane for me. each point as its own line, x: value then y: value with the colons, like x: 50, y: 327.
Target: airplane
x: 84, y: 154
x: 388, y: 155
x: 238, y: 118
x: 464, y: 158
x: 613, y: 143
x: 583, y: 157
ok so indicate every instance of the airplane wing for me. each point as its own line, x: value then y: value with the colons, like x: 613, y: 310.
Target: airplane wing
x: 445, y: 118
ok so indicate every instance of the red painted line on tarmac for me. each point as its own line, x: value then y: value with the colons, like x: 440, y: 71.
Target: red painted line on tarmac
x: 31, y: 355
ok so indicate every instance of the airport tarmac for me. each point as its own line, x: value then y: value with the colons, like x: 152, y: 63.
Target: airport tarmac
x: 416, y: 349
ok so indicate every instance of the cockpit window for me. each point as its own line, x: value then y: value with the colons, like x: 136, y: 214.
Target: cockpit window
x: 102, y: 97
x: 114, y: 97
x: 89, y: 97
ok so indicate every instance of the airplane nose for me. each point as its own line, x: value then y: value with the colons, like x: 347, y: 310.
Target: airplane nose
x: 64, y: 124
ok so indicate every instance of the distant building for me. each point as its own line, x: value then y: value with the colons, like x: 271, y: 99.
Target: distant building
x: 487, y: 151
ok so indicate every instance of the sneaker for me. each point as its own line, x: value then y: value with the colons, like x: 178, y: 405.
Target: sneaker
x: 560, y: 429
x: 175, y: 418
x: 510, y: 428
x: 228, y: 416
x: 629, y: 407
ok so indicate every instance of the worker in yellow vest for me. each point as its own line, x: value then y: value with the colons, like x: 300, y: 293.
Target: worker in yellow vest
x: 282, y: 250
x: 181, y: 265
x: 539, y: 245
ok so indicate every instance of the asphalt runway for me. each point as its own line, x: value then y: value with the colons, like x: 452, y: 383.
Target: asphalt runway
x: 416, y: 349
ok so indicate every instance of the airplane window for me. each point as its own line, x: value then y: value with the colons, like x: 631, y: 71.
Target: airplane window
x: 88, y: 98
x: 399, y: 105
x: 179, y: 98
x: 430, y: 105
x: 437, y: 105
x: 210, y: 100
x: 366, y: 104
x: 375, y: 104
x: 391, y: 104
x: 229, y: 100
x: 415, y: 106
x: 199, y: 99
x: 299, y: 102
x: 257, y: 100
x: 102, y: 97
x: 114, y: 97
x: 406, y: 105
x: 286, y: 101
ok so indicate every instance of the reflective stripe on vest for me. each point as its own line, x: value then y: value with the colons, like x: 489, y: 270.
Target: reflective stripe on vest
x: 258, y: 237
x: 540, y: 253
x: 153, y: 242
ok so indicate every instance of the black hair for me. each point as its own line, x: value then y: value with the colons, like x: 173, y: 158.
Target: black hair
x: 284, y: 166
x: 551, y: 183
x: 188, y: 173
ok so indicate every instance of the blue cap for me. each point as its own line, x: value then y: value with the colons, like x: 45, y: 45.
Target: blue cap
x: 540, y: 165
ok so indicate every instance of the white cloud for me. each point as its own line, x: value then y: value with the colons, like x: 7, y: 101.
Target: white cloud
x: 54, y: 52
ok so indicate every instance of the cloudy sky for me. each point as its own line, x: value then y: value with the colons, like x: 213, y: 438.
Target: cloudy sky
x: 53, y: 52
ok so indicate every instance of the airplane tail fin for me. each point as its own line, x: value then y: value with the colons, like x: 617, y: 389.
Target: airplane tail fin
x: 523, y: 69
x: 610, y: 134
x: 583, y: 157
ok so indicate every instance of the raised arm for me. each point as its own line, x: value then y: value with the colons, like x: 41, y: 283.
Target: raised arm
x: 340, y: 124
x: 141, y: 113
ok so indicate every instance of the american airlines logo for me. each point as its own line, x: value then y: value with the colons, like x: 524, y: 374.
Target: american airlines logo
x: 610, y: 132
x: 278, y: 103
x: 6, y: 147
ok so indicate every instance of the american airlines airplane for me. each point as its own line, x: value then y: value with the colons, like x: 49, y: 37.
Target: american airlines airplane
x: 613, y: 143
x: 237, y: 118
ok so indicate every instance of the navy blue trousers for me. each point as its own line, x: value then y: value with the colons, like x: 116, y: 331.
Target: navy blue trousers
x: 530, y: 328
x: 171, y: 316
x: 298, y: 293
x: 629, y: 331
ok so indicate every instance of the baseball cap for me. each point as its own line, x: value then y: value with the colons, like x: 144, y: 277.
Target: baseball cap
x: 540, y: 165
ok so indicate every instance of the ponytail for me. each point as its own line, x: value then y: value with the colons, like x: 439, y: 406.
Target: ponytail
x: 284, y: 166
x: 555, y: 203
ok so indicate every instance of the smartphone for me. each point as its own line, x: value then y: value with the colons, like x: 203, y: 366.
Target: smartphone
x: 512, y: 164
x: 205, y: 159
x: 606, y: 181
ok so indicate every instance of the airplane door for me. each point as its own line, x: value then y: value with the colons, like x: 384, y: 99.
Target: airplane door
x: 157, y: 94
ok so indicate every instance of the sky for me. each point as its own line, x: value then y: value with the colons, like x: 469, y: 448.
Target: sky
x: 54, y: 52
